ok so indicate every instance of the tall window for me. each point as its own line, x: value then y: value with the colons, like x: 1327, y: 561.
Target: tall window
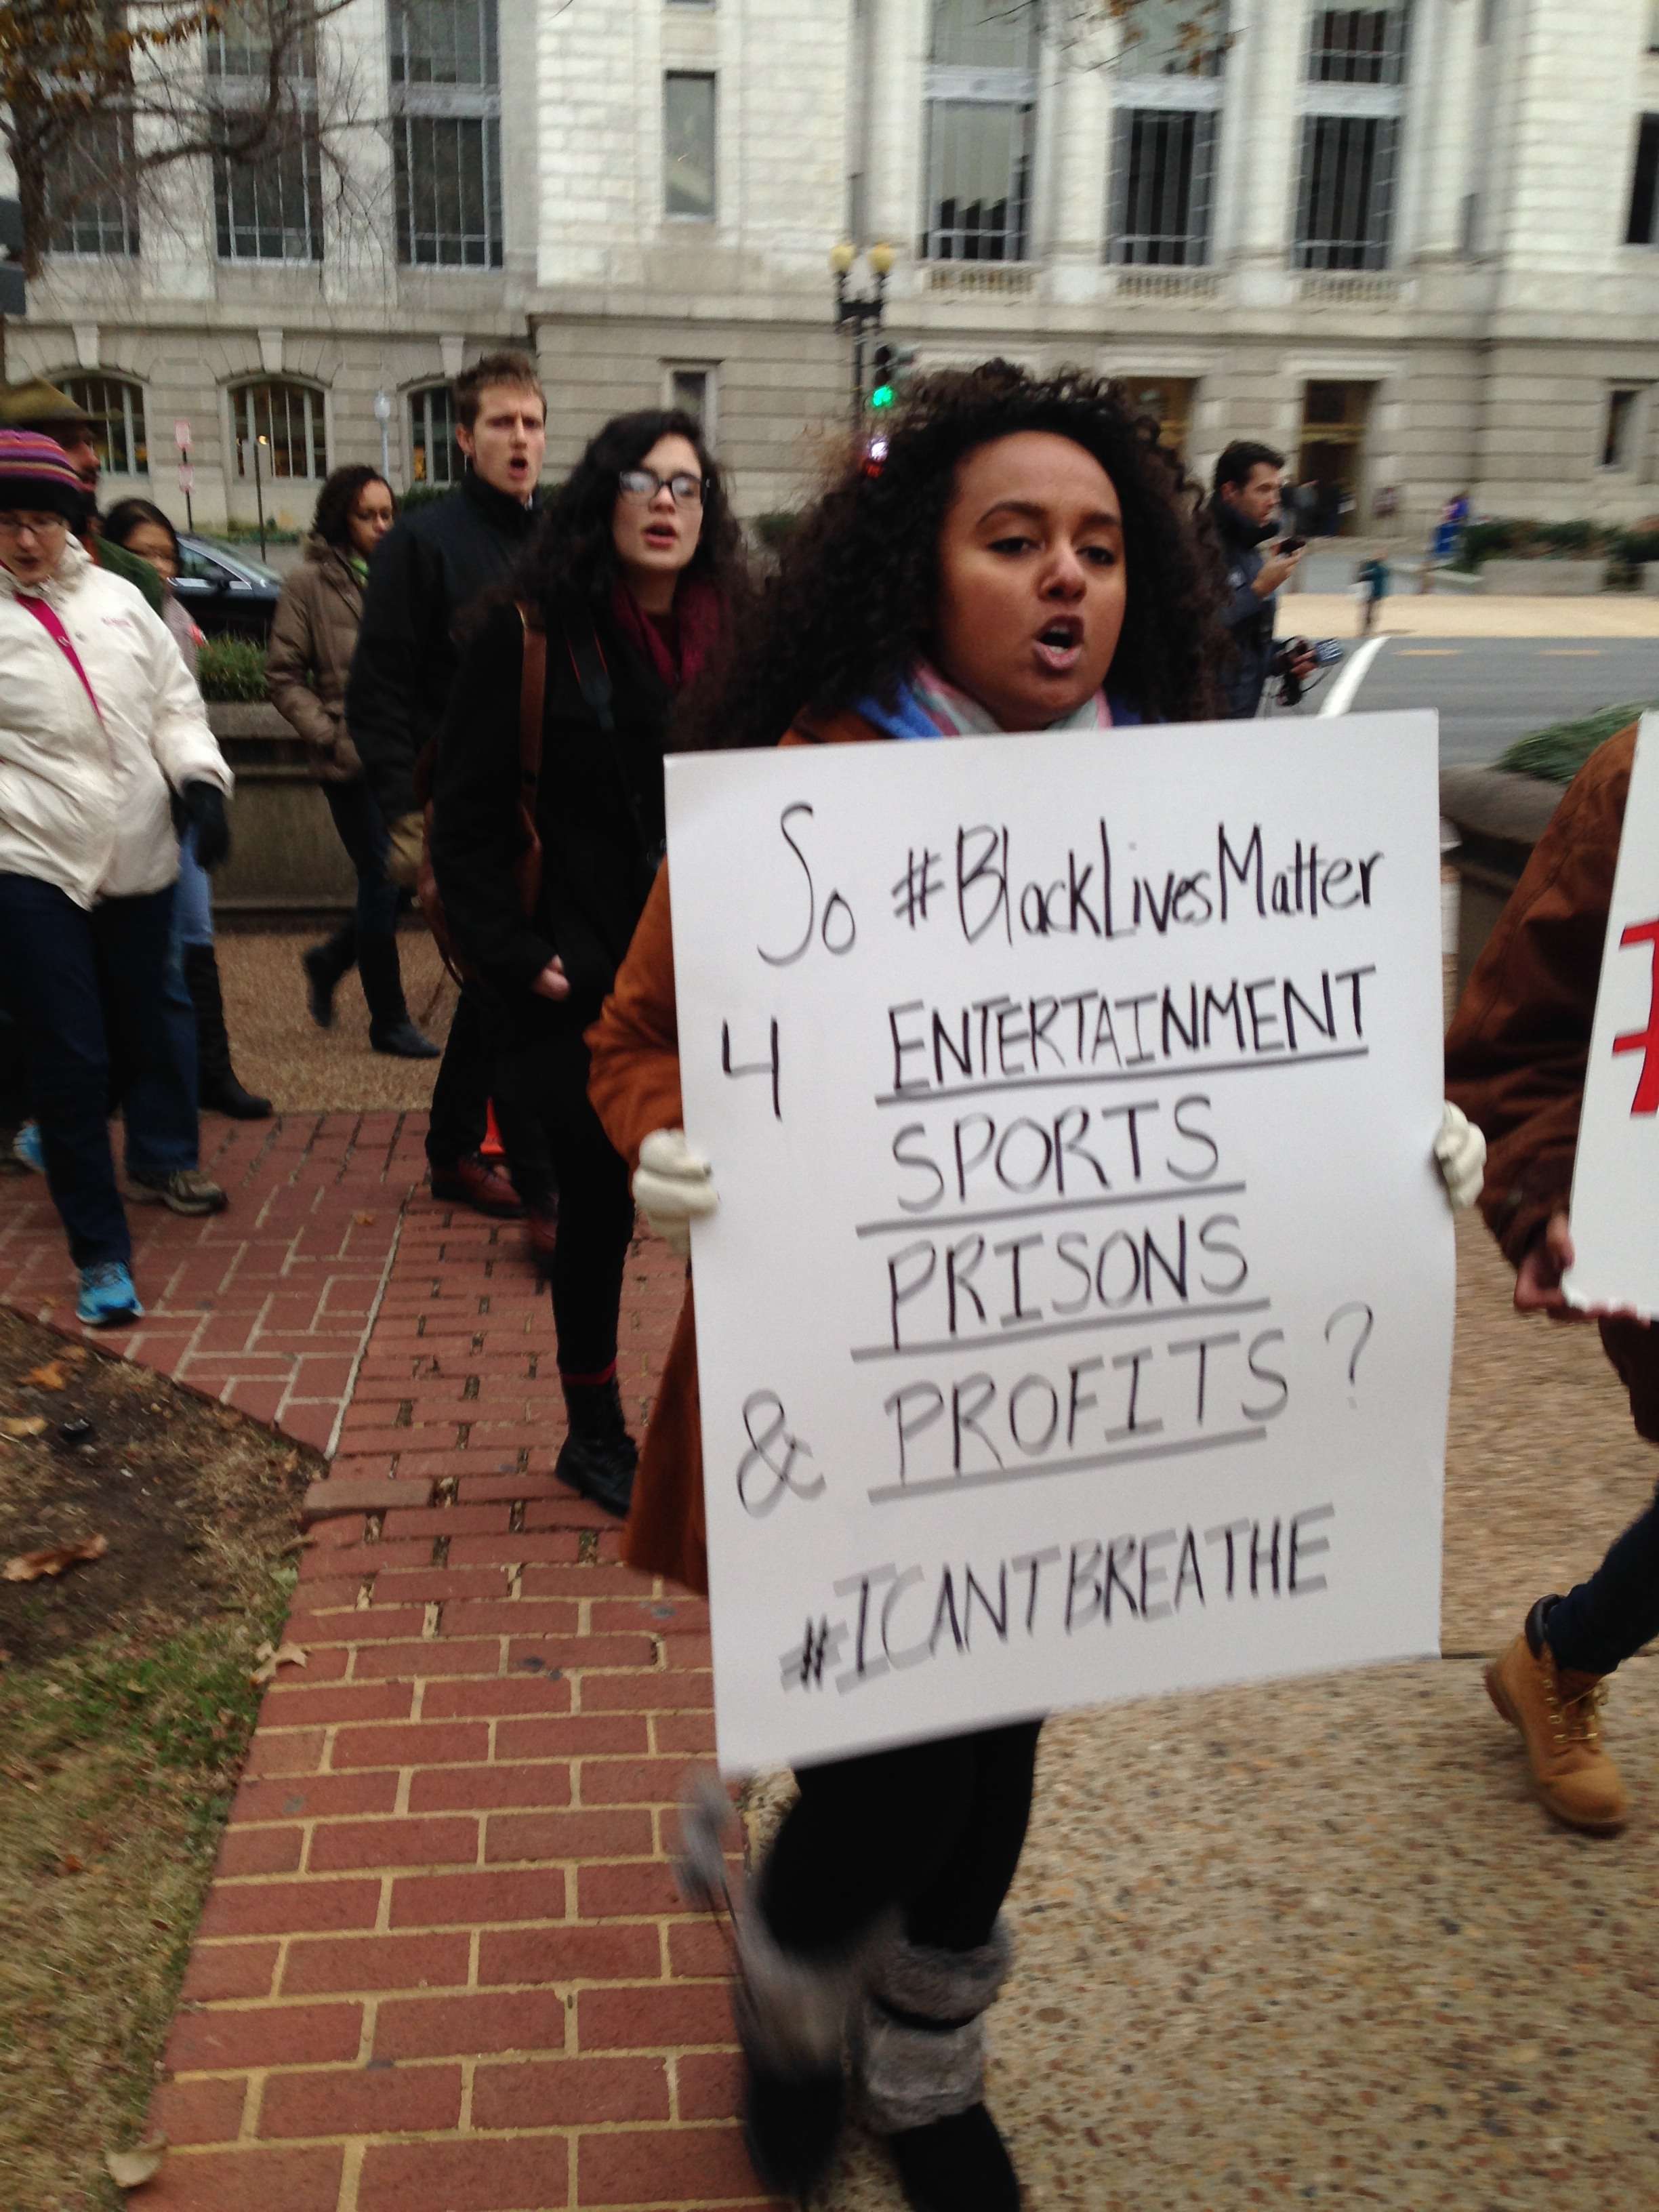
x: 1163, y: 162
x: 981, y: 111
x: 1640, y: 230
x: 90, y: 182
x: 289, y: 419
x: 434, y: 458
x: 688, y: 134
x: 1350, y: 137
x: 691, y: 391
x: 1621, y: 426
x: 268, y: 204
x: 117, y: 406
x: 447, y: 132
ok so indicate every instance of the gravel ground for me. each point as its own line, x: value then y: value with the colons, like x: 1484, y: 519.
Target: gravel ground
x: 280, y: 1051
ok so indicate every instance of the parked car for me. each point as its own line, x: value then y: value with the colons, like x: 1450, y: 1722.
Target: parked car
x: 228, y: 593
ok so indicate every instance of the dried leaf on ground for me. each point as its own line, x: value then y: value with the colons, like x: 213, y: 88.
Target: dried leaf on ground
x: 50, y: 1376
x: 23, y: 1425
x: 131, y: 2169
x: 32, y: 1566
x: 362, y: 1220
x: 271, y: 1656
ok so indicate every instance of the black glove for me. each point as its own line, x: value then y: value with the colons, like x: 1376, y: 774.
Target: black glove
x: 204, y: 804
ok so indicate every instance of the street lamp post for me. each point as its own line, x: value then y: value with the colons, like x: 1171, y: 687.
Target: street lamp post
x: 863, y: 311
x: 383, y: 417
x: 259, y: 492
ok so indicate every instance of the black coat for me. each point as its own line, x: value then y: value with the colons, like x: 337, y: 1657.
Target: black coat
x: 1249, y: 620
x: 426, y: 572
x: 599, y: 808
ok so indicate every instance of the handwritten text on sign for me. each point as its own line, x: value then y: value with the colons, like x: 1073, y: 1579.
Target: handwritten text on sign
x: 1617, y: 1252
x: 1076, y: 1319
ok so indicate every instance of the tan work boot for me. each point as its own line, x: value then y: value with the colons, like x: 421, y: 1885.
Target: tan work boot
x: 1556, y: 1712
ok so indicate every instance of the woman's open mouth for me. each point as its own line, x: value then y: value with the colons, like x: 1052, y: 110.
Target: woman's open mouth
x: 661, y: 537
x: 1058, y: 645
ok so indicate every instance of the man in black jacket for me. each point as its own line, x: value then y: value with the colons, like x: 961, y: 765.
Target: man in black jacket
x: 1249, y: 487
x: 427, y: 571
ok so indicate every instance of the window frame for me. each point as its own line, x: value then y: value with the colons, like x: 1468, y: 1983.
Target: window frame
x: 952, y: 88
x: 418, y: 397
x: 111, y: 207
x: 1352, y: 145
x: 711, y: 78
x: 421, y: 107
x: 316, y: 421
x: 1635, y: 423
x: 709, y: 414
x: 81, y: 385
x: 1645, y: 169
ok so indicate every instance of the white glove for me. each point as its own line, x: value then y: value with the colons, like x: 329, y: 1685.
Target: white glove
x: 673, y: 1187
x: 1461, y: 1151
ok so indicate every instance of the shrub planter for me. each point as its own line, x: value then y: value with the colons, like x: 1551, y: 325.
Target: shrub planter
x: 1544, y: 579
x: 286, y: 863
x: 1499, y: 819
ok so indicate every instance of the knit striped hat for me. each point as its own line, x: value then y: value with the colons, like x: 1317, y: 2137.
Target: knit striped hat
x: 35, y: 472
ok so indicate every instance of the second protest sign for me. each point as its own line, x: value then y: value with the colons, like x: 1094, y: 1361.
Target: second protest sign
x: 1076, y: 1319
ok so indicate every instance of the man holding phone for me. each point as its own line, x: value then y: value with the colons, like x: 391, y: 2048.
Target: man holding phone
x: 1249, y: 487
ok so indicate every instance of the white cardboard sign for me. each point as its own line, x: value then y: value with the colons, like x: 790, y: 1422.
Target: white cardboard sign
x: 1616, y: 1254
x: 1076, y: 1322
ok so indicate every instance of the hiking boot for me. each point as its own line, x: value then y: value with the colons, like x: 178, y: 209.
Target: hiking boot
x: 1557, y: 1711
x: 107, y: 1299
x: 183, y: 1190
x: 599, y: 1457
x: 472, y: 1182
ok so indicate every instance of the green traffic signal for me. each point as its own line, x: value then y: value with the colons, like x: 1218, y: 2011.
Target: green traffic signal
x: 882, y: 396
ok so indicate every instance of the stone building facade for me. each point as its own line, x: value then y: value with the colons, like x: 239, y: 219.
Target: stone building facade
x: 1416, y: 245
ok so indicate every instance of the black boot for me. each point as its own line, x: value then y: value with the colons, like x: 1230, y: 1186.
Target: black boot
x: 325, y: 964
x: 791, y: 2013
x: 920, y: 2062
x: 597, y: 1457
x: 217, y: 1089
x: 390, y: 1029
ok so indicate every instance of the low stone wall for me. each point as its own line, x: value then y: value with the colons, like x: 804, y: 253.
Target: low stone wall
x: 1544, y: 579
x: 286, y: 861
x: 1499, y: 819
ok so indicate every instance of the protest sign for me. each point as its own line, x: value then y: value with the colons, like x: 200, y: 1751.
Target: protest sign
x: 1616, y: 1250
x: 1076, y: 1322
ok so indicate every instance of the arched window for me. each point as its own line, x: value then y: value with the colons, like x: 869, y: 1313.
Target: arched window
x: 116, y: 404
x: 287, y: 420
x: 434, y: 458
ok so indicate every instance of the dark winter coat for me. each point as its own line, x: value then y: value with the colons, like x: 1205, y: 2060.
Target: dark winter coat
x: 1249, y: 620
x: 599, y: 810
x: 312, y: 637
x: 427, y: 571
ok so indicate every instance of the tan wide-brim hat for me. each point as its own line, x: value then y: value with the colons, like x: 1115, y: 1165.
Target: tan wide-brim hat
x: 36, y: 404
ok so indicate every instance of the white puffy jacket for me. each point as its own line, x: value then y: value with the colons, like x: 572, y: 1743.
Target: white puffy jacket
x: 84, y: 796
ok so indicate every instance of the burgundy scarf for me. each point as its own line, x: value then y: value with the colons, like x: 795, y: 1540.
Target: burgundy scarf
x: 694, y: 630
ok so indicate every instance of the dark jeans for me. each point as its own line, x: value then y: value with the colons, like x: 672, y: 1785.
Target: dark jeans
x: 361, y: 831
x: 460, y: 1097
x: 86, y: 988
x: 554, y: 1145
x: 1616, y: 1612
x: 935, y: 1829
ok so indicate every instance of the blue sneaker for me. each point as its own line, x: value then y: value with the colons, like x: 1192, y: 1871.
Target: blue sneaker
x: 26, y: 1148
x: 107, y: 1299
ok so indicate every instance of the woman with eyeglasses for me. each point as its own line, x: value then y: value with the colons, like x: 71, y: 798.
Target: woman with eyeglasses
x: 630, y: 580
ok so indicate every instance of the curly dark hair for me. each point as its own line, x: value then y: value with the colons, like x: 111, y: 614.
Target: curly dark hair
x: 852, y: 602
x: 332, y: 520
x: 131, y: 514
x: 573, y: 551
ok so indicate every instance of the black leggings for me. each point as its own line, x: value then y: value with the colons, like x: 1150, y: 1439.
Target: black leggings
x: 935, y: 1829
x: 554, y: 1142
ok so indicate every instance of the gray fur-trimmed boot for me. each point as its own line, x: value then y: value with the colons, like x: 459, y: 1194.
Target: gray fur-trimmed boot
x: 920, y: 2058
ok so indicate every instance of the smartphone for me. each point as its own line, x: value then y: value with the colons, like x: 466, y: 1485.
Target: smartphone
x: 1290, y: 544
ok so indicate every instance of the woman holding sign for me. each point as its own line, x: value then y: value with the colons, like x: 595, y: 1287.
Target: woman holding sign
x: 628, y: 580
x: 1022, y: 558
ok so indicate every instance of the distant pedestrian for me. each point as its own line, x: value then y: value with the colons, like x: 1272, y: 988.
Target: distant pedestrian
x: 431, y: 567
x: 141, y: 529
x: 1516, y: 1061
x: 100, y: 726
x: 628, y: 584
x: 312, y: 637
x: 1370, y: 588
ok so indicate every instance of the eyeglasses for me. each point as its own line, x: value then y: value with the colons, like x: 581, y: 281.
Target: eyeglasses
x: 40, y: 526
x: 646, y: 483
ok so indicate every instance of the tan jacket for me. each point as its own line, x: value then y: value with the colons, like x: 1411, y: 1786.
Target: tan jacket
x: 312, y: 638
x: 635, y: 1085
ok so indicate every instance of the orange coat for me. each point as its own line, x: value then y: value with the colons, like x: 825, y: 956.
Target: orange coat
x: 635, y: 1085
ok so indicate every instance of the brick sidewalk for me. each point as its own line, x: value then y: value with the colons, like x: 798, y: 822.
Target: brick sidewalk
x: 442, y: 1967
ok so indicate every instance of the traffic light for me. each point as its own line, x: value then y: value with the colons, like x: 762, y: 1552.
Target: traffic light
x: 883, y: 390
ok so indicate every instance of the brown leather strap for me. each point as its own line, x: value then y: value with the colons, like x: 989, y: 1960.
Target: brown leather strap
x: 532, y: 698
